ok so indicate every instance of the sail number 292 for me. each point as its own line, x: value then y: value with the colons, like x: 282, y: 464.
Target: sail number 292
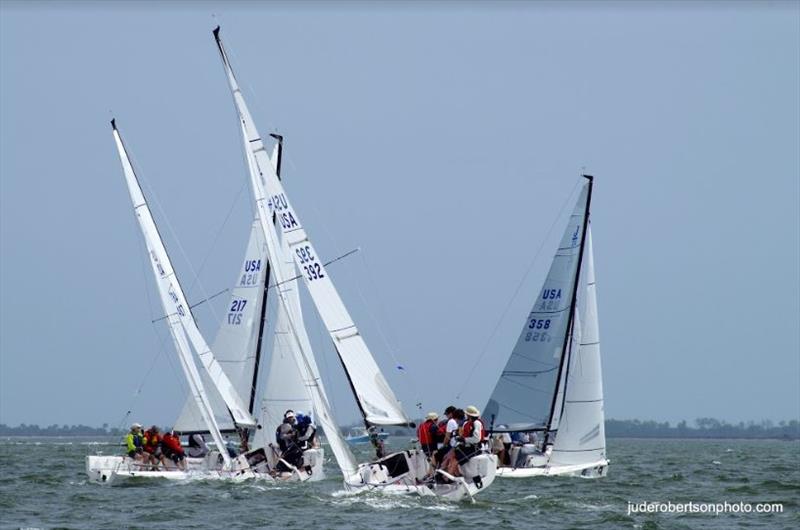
x: 312, y: 269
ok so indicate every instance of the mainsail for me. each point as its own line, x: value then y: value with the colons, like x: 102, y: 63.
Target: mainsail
x: 298, y: 342
x: 170, y: 292
x: 235, y: 345
x: 377, y: 402
x: 525, y: 398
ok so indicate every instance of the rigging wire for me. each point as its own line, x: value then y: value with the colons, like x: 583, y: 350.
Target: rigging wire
x: 152, y: 195
x: 516, y: 291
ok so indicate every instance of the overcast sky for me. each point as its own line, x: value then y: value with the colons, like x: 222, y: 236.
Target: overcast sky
x: 442, y: 139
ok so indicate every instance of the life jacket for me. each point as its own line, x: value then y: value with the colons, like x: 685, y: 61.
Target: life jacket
x: 469, y: 426
x: 134, y: 441
x: 426, y: 432
x: 151, y: 441
x: 173, y: 443
x: 309, y: 443
x: 441, y: 430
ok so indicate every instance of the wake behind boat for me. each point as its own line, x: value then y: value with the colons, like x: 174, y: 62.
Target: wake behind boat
x: 550, y: 394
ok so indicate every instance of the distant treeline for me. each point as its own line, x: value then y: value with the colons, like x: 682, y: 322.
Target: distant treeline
x: 58, y: 430
x: 702, y: 428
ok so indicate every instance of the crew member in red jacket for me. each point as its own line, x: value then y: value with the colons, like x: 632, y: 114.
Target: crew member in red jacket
x: 173, y: 449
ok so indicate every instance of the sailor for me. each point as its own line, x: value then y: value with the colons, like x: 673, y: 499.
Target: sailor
x: 173, y: 449
x: 377, y: 443
x: 197, y: 446
x: 440, y: 436
x: 285, y: 432
x: 473, y: 434
x: 134, y: 442
x: 446, y: 432
x: 427, y: 433
x: 286, y: 436
x: 449, y: 460
x: 527, y: 448
x: 306, y: 432
x: 152, y: 445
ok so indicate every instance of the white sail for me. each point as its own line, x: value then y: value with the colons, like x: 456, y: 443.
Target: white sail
x: 237, y: 336
x: 524, y: 395
x: 378, y: 403
x: 581, y: 435
x: 298, y: 342
x: 285, y: 387
x: 168, y: 286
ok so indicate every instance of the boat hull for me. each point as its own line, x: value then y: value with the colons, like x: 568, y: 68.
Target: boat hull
x: 114, y: 469
x: 590, y: 470
x: 403, y: 473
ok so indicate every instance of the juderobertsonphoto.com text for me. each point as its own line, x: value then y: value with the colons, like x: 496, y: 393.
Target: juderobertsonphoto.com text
x: 712, y: 508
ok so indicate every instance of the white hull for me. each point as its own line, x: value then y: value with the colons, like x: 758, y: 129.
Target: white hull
x: 410, y: 467
x: 117, y: 469
x: 589, y: 470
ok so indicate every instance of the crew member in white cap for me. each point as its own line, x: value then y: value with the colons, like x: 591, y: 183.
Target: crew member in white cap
x: 473, y: 435
x: 427, y: 433
x: 134, y: 442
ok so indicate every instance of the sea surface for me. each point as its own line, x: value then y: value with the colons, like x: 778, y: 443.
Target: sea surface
x: 43, y: 485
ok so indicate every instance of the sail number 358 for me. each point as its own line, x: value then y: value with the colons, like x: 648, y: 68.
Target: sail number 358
x: 538, y: 336
x: 312, y: 269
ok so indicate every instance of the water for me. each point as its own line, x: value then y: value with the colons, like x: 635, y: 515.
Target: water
x: 43, y: 485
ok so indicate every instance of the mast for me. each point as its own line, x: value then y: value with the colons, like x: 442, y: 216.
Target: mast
x: 377, y: 399
x: 568, y: 335
x: 170, y: 293
x: 263, y: 317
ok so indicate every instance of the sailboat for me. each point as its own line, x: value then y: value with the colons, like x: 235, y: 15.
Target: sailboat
x: 551, y: 388
x: 401, y: 472
x: 186, y: 336
x: 238, y: 347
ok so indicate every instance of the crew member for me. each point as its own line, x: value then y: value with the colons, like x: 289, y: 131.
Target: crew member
x: 152, y: 445
x: 173, y: 450
x: 473, y: 435
x: 427, y: 433
x: 134, y: 442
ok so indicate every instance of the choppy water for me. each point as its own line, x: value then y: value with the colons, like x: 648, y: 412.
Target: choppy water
x: 43, y: 485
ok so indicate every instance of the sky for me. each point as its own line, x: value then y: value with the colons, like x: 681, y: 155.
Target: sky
x: 444, y: 140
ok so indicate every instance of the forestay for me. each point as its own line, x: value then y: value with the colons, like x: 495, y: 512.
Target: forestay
x: 581, y: 434
x: 376, y: 400
x: 169, y: 290
x: 524, y: 396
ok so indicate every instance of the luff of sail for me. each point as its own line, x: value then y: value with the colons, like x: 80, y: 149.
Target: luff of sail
x: 232, y: 400
x: 298, y: 346
x: 377, y: 401
x: 167, y: 283
x: 285, y: 387
x: 524, y: 397
x: 581, y: 435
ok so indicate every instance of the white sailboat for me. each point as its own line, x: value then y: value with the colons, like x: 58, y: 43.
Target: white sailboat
x: 399, y: 472
x: 238, y: 346
x: 551, y: 387
x: 184, y: 331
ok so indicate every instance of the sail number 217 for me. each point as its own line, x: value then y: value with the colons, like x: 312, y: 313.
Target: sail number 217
x: 308, y: 262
